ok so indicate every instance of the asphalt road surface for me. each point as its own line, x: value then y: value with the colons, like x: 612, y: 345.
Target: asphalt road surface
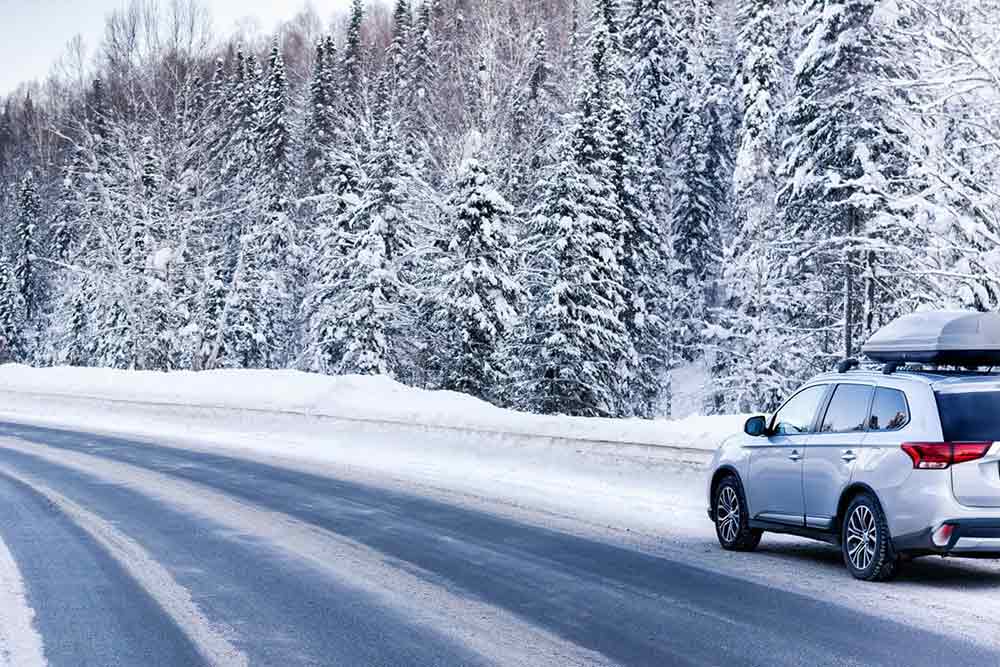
x: 137, y: 554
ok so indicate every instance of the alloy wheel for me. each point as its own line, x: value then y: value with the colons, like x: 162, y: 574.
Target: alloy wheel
x: 728, y: 514
x: 862, y: 537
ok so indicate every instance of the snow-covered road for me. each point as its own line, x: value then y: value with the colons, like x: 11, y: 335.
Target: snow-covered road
x: 146, y: 551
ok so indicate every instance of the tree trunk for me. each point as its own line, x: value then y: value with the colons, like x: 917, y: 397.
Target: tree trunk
x: 849, y: 297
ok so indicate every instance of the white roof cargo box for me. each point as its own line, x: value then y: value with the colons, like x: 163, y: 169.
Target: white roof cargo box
x: 956, y: 338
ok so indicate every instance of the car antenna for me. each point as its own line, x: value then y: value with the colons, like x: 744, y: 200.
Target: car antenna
x: 847, y: 364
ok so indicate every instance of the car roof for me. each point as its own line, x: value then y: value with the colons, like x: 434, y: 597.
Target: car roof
x: 935, y: 378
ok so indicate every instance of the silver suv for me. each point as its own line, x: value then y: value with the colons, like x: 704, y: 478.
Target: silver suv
x: 888, y: 465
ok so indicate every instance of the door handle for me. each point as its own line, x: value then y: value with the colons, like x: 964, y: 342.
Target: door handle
x: 795, y: 456
x: 848, y: 456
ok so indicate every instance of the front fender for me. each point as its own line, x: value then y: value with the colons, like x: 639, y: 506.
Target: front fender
x: 732, y: 455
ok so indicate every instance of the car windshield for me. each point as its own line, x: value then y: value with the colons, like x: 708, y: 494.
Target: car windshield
x: 970, y: 416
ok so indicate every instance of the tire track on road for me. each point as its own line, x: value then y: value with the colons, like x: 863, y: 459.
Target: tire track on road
x: 494, y: 634
x: 88, y: 610
x: 152, y: 577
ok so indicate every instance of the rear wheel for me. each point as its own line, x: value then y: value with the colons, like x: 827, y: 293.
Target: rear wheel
x: 868, y: 552
x: 732, y: 519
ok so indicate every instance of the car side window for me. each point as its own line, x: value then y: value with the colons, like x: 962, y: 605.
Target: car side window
x: 889, y: 411
x: 796, y: 416
x: 848, y: 409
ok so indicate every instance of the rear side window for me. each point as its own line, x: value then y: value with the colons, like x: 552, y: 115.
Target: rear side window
x: 848, y: 409
x: 970, y: 417
x: 889, y: 410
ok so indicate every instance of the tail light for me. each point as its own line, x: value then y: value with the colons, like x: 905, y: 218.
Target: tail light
x: 940, y: 455
x: 942, y: 536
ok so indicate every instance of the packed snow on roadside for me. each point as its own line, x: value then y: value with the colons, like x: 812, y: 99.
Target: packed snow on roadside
x: 642, y: 474
x: 376, y: 399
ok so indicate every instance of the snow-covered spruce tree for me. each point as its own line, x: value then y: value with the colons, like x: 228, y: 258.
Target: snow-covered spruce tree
x: 66, y: 225
x: 841, y: 152
x: 11, y: 316
x: 370, y: 280
x: 480, y: 295
x: 420, y: 136
x: 154, y: 316
x: 322, y: 117
x: 399, y: 51
x: 246, y: 331
x: 761, y: 79
x: 650, y: 38
x: 698, y: 193
x: 534, y: 124
x: 233, y: 138
x: 241, y: 132
x: 751, y: 333
x: 247, y: 337
x: 273, y: 242
x: 28, y: 219
x: 576, y: 344
x: 74, y: 346
x: 352, y: 80
x: 643, y: 253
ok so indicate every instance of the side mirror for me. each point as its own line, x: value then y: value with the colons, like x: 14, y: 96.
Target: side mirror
x: 755, y: 426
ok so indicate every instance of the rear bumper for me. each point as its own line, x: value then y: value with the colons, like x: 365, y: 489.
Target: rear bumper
x: 971, y: 538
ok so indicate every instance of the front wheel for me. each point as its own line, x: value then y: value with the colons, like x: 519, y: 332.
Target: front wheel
x: 732, y: 519
x: 868, y: 552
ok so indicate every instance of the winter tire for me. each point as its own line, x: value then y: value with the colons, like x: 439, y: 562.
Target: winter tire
x: 867, y: 549
x: 732, y: 519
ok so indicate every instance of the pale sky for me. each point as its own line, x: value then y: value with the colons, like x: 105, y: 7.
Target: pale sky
x: 34, y: 33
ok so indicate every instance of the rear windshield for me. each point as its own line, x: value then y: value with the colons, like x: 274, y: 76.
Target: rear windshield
x: 973, y: 416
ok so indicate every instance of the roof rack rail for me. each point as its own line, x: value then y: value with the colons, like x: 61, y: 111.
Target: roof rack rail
x: 847, y: 364
x: 891, y: 367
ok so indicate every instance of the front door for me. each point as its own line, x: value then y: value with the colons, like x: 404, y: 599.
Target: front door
x: 775, y: 483
x: 832, y: 450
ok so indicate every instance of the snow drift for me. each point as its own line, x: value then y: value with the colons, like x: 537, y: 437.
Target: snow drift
x: 53, y: 392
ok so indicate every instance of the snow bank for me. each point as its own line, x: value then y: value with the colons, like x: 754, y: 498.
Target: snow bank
x: 356, y: 398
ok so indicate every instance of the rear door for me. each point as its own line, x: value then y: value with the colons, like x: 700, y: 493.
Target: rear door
x: 832, y: 450
x: 972, y: 415
x: 775, y: 479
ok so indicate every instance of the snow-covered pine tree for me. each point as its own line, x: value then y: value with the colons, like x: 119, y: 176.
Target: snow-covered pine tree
x: 841, y: 152
x: 576, y: 344
x: 480, y: 294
